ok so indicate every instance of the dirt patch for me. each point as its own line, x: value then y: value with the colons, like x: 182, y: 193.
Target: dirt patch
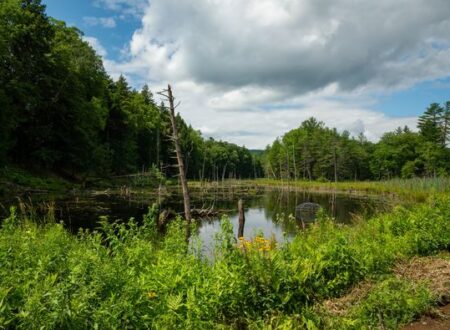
x: 440, y: 320
x: 340, y: 306
x: 434, y: 271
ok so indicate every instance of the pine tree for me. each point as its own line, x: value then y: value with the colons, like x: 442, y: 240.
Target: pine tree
x: 430, y: 124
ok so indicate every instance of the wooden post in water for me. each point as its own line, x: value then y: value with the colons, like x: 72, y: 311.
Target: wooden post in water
x: 241, y: 218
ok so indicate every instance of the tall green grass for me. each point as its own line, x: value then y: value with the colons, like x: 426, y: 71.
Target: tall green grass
x: 416, y: 188
x: 128, y: 276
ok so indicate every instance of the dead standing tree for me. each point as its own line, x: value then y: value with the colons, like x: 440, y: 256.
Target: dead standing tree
x: 179, y: 155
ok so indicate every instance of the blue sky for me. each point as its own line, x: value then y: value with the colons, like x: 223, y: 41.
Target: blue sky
x: 78, y: 12
x: 248, y: 71
x: 414, y: 100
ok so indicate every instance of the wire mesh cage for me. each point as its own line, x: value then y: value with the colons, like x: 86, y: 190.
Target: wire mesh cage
x: 307, y: 212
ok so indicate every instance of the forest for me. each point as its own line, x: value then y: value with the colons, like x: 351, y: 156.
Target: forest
x: 60, y: 111
x: 316, y: 152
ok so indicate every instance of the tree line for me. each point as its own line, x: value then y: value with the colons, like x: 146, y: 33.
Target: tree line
x: 60, y: 111
x: 316, y: 152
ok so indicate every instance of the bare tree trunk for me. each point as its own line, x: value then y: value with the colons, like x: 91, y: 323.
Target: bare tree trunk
x: 335, y: 165
x: 288, y: 169
x: 175, y: 137
x: 241, y: 218
x: 158, y: 146
x: 308, y: 169
x: 224, y: 171
x: 446, y: 128
x: 273, y: 172
x: 304, y: 162
x: 187, y: 159
x: 295, y: 165
x: 202, y: 176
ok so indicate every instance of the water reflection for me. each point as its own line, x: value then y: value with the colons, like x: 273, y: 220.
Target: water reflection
x: 272, y: 213
x: 267, y: 210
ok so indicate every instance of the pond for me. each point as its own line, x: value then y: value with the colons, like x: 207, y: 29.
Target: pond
x: 267, y: 210
x: 272, y: 212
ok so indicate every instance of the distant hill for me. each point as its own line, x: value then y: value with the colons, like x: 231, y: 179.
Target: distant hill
x: 256, y: 152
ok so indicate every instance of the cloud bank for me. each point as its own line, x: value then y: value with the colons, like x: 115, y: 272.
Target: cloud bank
x: 247, y: 71
x: 125, y: 7
x: 107, y: 22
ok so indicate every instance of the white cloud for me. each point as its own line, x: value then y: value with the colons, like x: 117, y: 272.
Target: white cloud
x: 107, y: 22
x: 126, y: 7
x: 96, y: 45
x: 298, y: 45
x: 247, y: 71
x: 256, y: 127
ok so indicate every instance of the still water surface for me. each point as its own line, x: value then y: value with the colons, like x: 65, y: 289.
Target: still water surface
x: 272, y: 212
x: 266, y: 210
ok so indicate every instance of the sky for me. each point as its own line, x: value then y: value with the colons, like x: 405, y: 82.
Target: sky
x: 249, y: 71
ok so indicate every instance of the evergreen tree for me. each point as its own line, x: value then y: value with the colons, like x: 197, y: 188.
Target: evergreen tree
x: 430, y: 123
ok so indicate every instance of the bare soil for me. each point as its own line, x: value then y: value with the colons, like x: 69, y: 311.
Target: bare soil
x: 434, y: 271
x: 439, y: 321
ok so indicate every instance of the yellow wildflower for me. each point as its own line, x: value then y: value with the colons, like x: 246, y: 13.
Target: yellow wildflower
x: 151, y: 294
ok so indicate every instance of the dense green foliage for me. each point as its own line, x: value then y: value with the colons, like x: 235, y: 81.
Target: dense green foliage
x: 314, y: 151
x: 126, y: 276
x: 60, y: 111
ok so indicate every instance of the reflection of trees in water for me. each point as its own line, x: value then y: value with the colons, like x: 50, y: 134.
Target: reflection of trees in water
x: 340, y: 207
x: 278, y: 204
x: 84, y: 210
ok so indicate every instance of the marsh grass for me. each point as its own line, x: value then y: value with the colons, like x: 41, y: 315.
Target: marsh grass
x: 418, y: 189
x: 128, y: 276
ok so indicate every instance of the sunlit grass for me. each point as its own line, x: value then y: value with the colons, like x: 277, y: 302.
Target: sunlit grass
x: 417, y: 188
x: 128, y: 276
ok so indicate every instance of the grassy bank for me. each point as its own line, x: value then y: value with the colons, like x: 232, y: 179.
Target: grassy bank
x: 125, y: 276
x: 14, y: 179
x: 418, y: 189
